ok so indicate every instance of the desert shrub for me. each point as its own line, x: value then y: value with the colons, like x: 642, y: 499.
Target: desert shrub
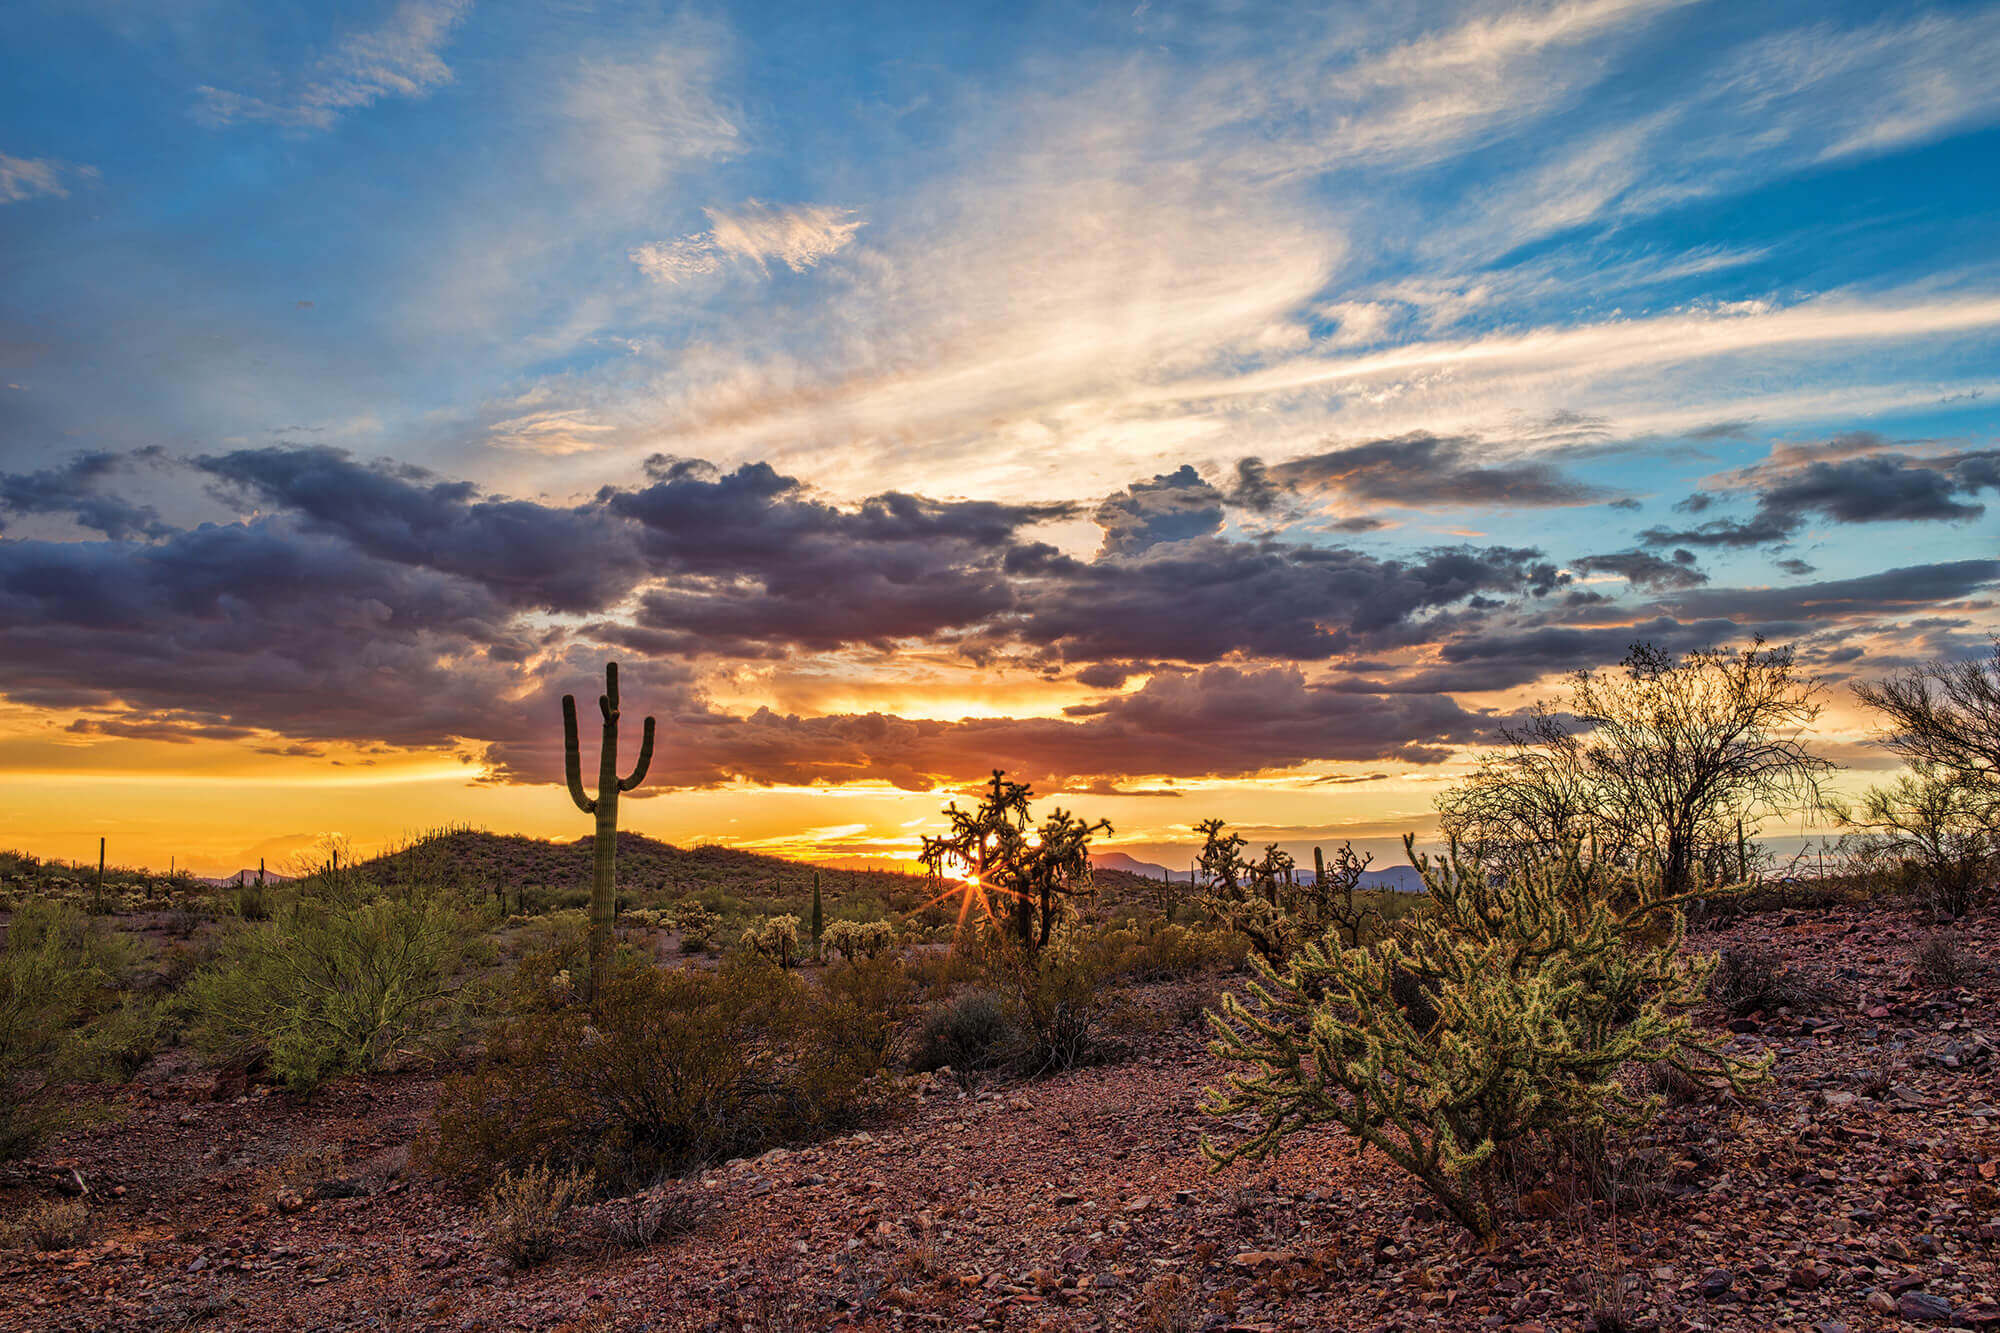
x: 860, y: 1010
x: 1056, y: 997
x: 775, y: 938
x: 53, y: 1224
x: 860, y: 939
x: 115, y: 1046
x: 1167, y: 952
x: 59, y: 970
x: 325, y: 989
x: 1545, y: 984
x: 526, y: 1213
x: 1747, y: 981
x: 673, y: 1069
x: 1939, y: 960
x: 969, y: 1033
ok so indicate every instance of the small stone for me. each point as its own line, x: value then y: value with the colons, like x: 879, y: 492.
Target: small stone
x: 1881, y: 1302
x: 1715, y: 1282
x: 1921, y: 1305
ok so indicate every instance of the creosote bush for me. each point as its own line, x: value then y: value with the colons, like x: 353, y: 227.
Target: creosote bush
x: 969, y: 1033
x: 674, y: 1068
x: 60, y: 974
x: 328, y: 988
x: 1541, y: 987
x: 527, y: 1213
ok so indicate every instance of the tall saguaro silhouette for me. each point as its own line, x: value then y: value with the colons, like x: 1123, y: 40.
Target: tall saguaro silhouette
x: 603, y: 876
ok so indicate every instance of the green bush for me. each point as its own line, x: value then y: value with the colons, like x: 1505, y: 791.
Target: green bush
x: 969, y: 1033
x: 674, y: 1068
x: 326, y: 989
x: 59, y: 970
x: 116, y: 1045
x: 860, y: 1010
x: 1537, y: 989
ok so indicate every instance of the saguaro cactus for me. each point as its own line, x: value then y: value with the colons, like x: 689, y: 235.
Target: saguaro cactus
x: 817, y: 920
x: 603, y: 875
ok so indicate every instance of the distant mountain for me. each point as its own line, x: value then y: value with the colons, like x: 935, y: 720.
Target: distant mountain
x: 1403, y: 879
x: 245, y: 876
x: 1133, y: 866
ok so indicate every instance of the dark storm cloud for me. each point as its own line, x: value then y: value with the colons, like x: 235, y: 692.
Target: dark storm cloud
x: 1860, y: 479
x: 754, y: 565
x: 1171, y: 507
x: 528, y: 554
x: 1422, y: 470
x: 263, y: 624
x: 75, y: 489
x: 1217, y: 722
x: 1199, y: 601
x: 1891, y: 590
x: 380, y: 605
x: 1642, y: 569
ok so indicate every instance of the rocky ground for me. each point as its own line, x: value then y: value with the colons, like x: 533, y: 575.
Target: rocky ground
x: 1859, y: 1192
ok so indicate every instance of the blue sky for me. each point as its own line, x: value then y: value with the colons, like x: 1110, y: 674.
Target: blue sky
x: 1553, y: 269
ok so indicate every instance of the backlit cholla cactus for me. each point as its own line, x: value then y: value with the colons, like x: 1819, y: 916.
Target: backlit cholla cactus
x: 1543, y: 990
x: 603, y: 874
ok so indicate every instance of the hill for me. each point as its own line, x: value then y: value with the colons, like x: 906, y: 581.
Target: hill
x: 647, y: 867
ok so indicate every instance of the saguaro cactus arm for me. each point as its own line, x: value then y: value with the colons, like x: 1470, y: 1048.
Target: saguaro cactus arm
x: 573, y: 757
x: 644, y: 762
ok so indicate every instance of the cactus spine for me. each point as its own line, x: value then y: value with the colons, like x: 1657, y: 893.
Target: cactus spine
x: 818, y: 920
x: 603, y: 875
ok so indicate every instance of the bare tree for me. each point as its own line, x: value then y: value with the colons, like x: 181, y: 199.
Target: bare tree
x: 1945, y: 716
x: 1934, y: 829
x: 1935, y: 824
x: 1660, y: 758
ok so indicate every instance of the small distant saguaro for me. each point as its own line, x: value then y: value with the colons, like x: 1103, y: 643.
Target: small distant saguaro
x: 603, y: 876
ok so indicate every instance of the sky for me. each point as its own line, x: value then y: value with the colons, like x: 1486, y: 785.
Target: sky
x: 1230, y: 409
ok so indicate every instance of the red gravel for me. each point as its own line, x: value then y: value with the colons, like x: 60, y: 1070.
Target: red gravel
x: 1861, y: 1189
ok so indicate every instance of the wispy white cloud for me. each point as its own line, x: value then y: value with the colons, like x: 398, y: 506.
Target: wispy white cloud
x: 24, y: 178
x: 756, y: 234
x: 398, y: 59
x: 638, y: 121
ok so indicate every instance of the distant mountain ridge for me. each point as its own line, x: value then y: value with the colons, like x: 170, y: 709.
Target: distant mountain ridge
x: 1403, y: 879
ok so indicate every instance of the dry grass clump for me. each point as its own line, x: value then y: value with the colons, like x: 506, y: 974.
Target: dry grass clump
x: 526, y: 1213
x: 299, y: 1175
x: 55, y: 1224
x: 1940, y: 961
x: 653, y: 1218
x: 1171, y: 1303
x: 1749, y: 981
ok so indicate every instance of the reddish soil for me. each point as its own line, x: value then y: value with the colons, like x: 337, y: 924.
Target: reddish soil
x: 1861, y: 1191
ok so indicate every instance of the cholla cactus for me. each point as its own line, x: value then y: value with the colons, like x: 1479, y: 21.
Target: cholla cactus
x: 695, y: 923
x: 776, y: 938
x: 1264, y: 901
x: 1539, y: 988
x: 860, y: 939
